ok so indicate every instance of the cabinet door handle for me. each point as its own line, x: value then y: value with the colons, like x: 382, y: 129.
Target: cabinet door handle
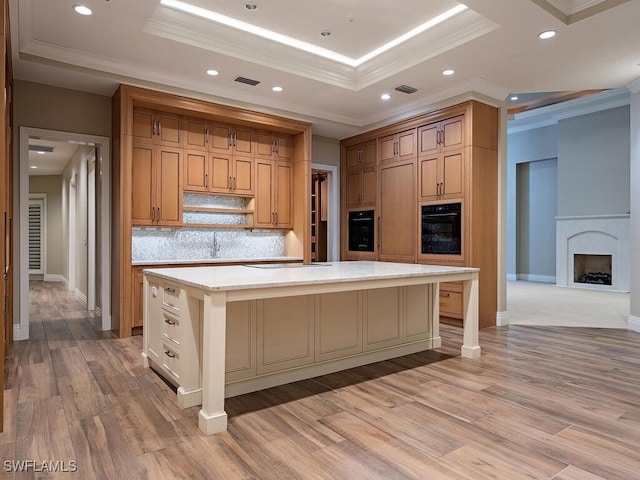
x: 379, y: 232
x: 277, y: 219
x: 173, y: 322
x: 170, y: 289
x: 206, y: 180
x: 235, y: 183
x: 153, y: 127
x: 206, y: 136
x: 159, y: 128
x: 169, y: 354
x: 360, y: 156
x: 153, y: 214
x: 445, y: 294
x: 229, y: 184
x: 158, y: 214
x: 234, y: 139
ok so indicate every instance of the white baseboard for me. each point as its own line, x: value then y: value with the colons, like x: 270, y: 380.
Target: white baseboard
x: 17, y: 333
x: 502, y: 318
x: 511, y: 277
x: 55, y: 277
x: 80, y: 296
x: 529, y: 277
x: 634, y: 323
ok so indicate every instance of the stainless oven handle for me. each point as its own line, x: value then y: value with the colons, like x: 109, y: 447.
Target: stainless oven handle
x: 441, y: 214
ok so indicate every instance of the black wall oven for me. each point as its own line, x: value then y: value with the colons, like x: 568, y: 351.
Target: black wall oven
x: 441, y: 229
x: 361, y: 226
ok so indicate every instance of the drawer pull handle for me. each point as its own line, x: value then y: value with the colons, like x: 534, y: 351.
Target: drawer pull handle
x: 169, y: 321
x: 445, y: 294
x: 169, y: 354
x: 170, y: 290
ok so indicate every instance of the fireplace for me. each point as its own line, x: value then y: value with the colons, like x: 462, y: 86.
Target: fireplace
x: 592, y: 269
x: 593, y: 252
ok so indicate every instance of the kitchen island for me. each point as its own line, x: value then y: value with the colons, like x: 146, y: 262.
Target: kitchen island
x: 217, y: 332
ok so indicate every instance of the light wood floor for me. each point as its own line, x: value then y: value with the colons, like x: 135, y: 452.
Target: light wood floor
x: 541, y: 403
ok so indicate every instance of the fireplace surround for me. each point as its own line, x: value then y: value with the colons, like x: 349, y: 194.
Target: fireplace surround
x: 597, y: 245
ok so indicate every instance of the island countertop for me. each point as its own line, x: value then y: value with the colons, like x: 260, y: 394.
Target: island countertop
x: 242, y: 277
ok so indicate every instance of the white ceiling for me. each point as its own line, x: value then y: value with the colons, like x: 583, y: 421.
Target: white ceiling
x: 50, y: 162
x: 492, y: 46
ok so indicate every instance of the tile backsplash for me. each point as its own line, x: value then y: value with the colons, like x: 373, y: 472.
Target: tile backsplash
x: 188, y: 244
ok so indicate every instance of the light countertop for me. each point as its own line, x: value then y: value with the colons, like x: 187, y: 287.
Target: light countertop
x: 240, y: 277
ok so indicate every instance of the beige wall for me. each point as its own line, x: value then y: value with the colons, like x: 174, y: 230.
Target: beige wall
x: 52, y: 186
x: 325, y: 150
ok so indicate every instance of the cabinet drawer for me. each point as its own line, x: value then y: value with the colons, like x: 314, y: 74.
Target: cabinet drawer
x: 451, y: 303
x: 170, y: 360
x: 171, y: 329
x: 171, y: 297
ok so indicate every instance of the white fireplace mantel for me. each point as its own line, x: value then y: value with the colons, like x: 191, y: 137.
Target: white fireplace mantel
x: 593, y: 235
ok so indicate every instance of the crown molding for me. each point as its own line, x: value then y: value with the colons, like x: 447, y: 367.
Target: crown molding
x: 551, y: 114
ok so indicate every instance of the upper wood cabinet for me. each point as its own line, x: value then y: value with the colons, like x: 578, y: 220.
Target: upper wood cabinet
x: 156, y: 179
x: 398, y: 146
x: 361, y: 178
x: 273, y: 146
x: 441, y: 159
x: 159, y: 128
x: 218, y: 173
x: 273, y: 199
x: 232, y: 139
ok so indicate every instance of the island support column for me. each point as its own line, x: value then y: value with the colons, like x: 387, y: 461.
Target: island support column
x: 212, y: 418
x: 470, y: 343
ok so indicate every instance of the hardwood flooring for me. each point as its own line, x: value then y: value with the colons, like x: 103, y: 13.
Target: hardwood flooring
x: 542, y: 403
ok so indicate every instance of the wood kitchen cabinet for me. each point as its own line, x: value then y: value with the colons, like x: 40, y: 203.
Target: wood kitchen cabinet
x: 273, y: 200
x: 157, y: 128
x: 218, y: 173
x: 156, y: 178
x: 361, y: 177
x: 436, y: 158
x: 398, y: 146
x: 273, y: 146
x: 441, y: 159
x: 396, y: 221
x: 165, y: 145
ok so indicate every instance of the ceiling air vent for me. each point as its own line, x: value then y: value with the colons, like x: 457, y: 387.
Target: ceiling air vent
x: 247, y: 81
x: 40, y: 148
x: 406, y: 89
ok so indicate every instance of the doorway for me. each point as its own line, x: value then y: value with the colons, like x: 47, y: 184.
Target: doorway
x: 325, y: 208
x: 85, y: 190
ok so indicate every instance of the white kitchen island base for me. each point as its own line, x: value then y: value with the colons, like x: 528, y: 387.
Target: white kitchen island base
x: 217, y: 332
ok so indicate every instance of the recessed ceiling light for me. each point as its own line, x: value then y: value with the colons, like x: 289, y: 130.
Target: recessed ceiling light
x: 33, y: 167
x: 82, y: 9
x: 40, y: 153
x: 325, y: 33
x: 306, y: 46
x: 448, y: 72
x: 251, y: 6
x: 212, y: 72
x: 547, y: 34
x: 277, y: 89
x: 514, y: 98
x: 385, y: 96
